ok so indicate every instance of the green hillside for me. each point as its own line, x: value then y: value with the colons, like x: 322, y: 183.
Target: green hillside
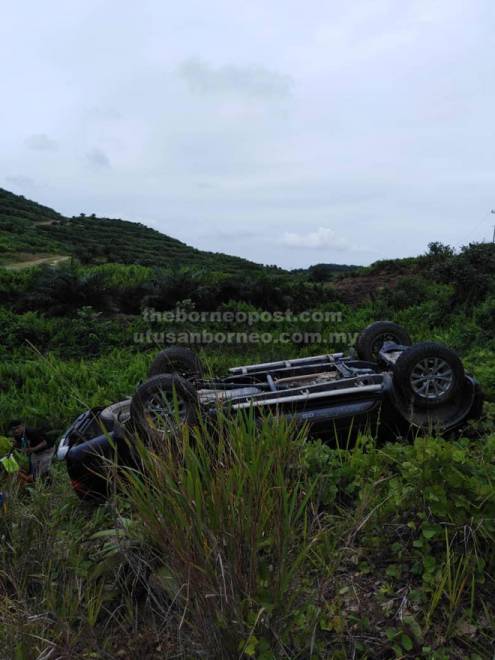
x: 33, y: 234
x: 29, y: 231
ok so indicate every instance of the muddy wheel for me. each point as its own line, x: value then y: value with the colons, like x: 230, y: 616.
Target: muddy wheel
x: 372, y: 338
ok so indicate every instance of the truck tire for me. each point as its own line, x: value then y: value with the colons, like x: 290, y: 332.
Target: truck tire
x: 372, y: 338
x: 176, y: 359
x: 161, y: 405
x: 429, y: 374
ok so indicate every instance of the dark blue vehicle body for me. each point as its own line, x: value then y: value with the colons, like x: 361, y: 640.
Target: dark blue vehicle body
x: 336, y: 397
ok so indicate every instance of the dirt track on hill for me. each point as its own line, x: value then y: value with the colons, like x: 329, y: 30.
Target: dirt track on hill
x: 51, y: 260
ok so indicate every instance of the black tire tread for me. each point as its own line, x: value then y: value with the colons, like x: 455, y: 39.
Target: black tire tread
x: 367, y: 337
x: 176, y: 359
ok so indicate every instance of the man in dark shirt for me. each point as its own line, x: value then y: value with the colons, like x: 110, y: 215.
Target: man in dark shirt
x: 36, y: 445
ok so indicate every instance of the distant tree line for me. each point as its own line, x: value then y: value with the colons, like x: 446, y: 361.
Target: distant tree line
x: 69, y: 287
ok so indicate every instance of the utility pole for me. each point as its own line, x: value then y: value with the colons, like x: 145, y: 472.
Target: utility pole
x: 493, y: 239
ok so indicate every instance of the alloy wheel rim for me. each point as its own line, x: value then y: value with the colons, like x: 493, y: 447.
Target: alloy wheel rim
x: 162, y: 411
x: 432, y: 378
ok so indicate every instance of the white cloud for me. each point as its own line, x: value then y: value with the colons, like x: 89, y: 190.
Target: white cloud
x: 323, y: 238
x: 255, y: 81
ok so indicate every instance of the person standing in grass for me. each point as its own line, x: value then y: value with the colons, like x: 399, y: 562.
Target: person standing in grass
x: 36, y: 446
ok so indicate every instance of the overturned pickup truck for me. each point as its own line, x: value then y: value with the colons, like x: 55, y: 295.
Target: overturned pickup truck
x: 391, y: 387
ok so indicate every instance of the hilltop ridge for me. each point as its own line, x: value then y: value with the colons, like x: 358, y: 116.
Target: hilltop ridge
x: 29, y: 229
x: 31, y: 234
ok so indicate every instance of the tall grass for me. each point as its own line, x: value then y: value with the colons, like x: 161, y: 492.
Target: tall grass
x: 47, y: 580
x: 245, y: 540
x: 230, y: 522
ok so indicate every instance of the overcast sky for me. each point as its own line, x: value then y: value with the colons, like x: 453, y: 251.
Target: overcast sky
x: 285, y: 132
